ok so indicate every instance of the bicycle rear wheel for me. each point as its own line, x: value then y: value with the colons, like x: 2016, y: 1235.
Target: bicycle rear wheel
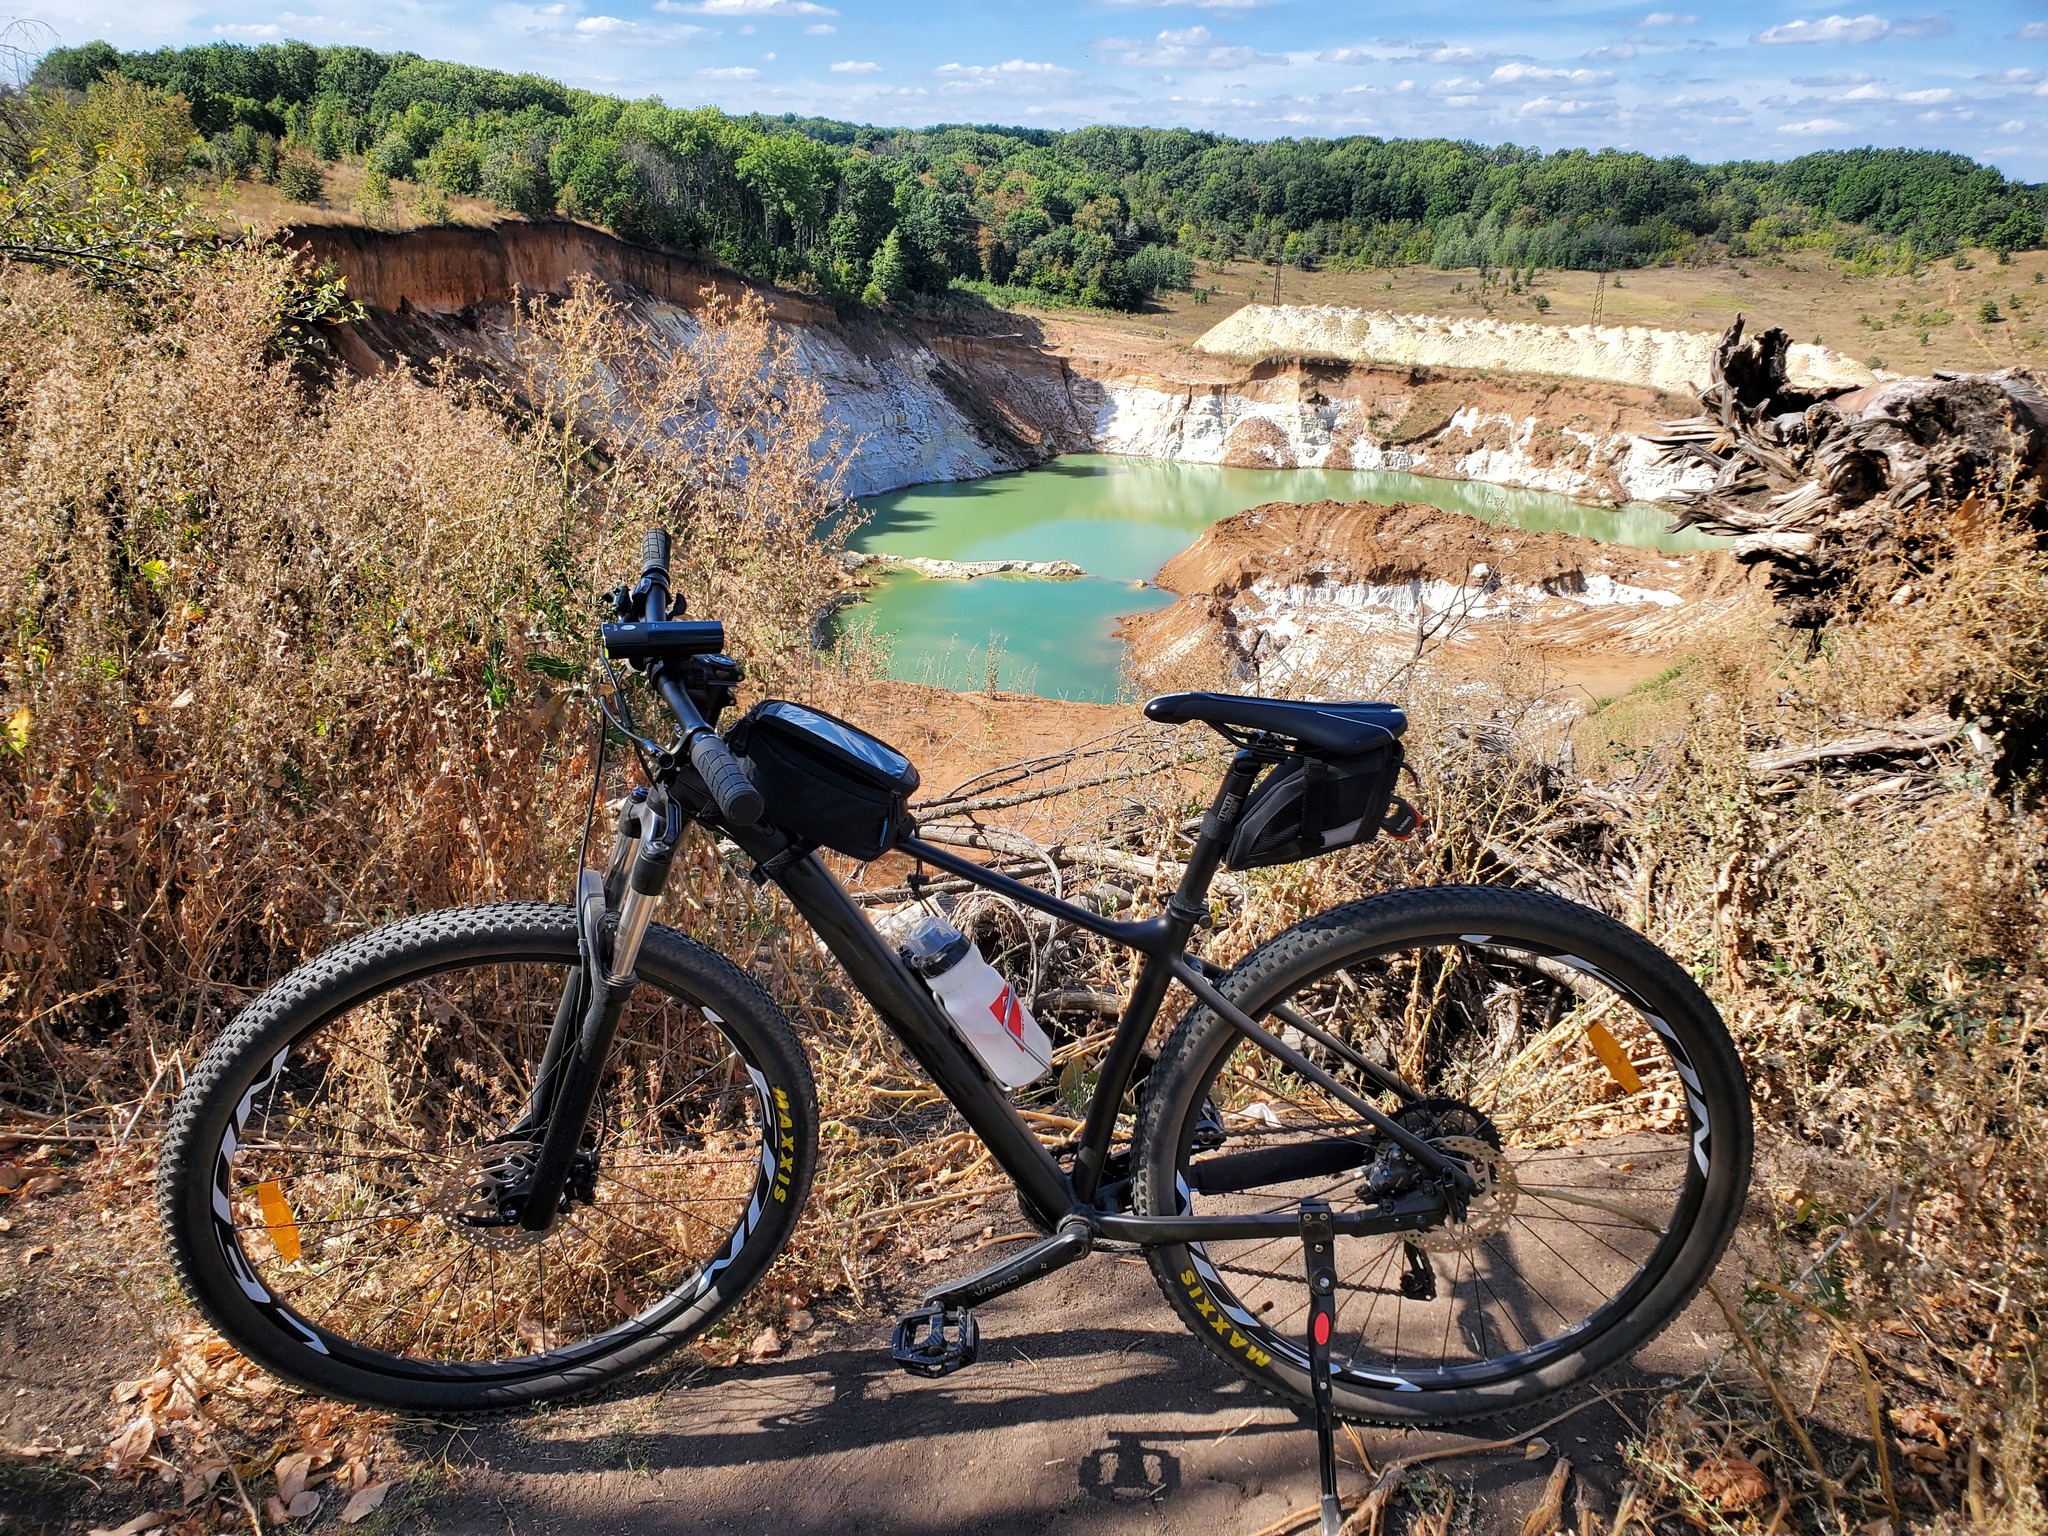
x: 325, y: 1181
x: 1571, y: 1066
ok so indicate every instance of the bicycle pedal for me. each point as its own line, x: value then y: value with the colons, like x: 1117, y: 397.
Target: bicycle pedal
x: 935, y: 1341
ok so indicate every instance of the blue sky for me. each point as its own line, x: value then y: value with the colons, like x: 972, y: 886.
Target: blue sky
x: 1714, y: 79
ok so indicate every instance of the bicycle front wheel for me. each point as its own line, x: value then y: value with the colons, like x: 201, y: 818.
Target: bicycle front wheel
x: 324, y: 1178
x: 1577, y: 1072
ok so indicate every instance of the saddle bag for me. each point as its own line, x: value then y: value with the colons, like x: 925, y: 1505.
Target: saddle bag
x: 1307, y: 805
x: 826, y: 783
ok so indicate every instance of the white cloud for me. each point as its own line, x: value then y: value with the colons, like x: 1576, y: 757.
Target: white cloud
x: 1669, y: 19
x: 1453, y: 55
x: 856, y: 67
x: 1554, y: 106
x: 1457, y: 85
x: 1829, y: 29
x: 1853, y: 29
x: 820, y: 29
x: 1185, y: 48
x: 747, y: 7
x: 1372, y: 55
x: 1615, y: 51
x: 2011, y: 77
x: 730, y: 72
x: 2034, y: 30
x: 1199, y: 5
x: 1536, y: 74
x: 1932, y: 97
x: 1815, y: 125
x: 970, y: 77
x: 2013, y: 125
x: 619, y: 30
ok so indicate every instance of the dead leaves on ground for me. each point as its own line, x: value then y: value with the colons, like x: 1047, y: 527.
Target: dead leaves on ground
x: 1731, y: 1482
x: 211, y: 1425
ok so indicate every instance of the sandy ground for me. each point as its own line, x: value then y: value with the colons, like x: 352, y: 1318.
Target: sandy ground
x: 1091, y: 1410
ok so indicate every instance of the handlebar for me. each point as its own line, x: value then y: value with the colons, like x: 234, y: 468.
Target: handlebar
x: 739, y: 803
x: 737, y: 799
x: 654, y: 555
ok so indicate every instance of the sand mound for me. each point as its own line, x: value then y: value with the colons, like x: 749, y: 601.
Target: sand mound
x: 1330, y: 542
x: 1338, y: 595
x: 1679, y: 361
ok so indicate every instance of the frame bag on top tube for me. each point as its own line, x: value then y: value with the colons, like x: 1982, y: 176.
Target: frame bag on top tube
x: 824, y: 781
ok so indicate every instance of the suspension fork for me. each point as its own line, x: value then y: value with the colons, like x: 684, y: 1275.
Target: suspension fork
x: 596, y: 994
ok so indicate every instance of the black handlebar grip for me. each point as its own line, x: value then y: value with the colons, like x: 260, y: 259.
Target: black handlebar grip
x: 738, y: 801
x: 654, y: 552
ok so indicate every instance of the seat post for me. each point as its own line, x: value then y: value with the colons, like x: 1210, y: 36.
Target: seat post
x: 1189, y: 904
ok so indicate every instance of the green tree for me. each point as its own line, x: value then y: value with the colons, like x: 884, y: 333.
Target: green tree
x: 514, y: 175
x: 138, y: 125
x: 299, y: 176
x: 891, y: 269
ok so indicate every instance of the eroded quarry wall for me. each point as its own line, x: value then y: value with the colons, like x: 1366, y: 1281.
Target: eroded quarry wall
x: 1674, y: 361
x: 1342, y: 597
x: 923, y: 403
x: 986, y: 391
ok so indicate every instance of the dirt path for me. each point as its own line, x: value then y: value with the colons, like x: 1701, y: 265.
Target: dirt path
x: 1091, y: 1410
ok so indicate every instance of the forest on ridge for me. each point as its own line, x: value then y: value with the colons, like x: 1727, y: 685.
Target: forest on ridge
x: 1102, y: 216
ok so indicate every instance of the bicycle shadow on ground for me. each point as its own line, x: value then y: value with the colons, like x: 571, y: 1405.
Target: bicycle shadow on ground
x: 1086, y: 1429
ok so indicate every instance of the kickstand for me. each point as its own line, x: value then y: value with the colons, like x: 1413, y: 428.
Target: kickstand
x: 1319, y: 1258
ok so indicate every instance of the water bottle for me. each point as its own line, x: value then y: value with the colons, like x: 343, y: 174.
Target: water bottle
x: 985, y: 1011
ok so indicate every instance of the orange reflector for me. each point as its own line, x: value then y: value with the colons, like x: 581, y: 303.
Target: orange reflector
x: 1613, y: 1058
x: 278, y: 1220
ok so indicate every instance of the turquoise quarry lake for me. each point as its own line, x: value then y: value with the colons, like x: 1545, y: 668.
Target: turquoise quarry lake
x: 1120, y: 519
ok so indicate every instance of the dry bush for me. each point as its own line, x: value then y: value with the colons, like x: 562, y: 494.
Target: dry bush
x: 284, y: 659
x: 1875, y: 934
x: 711, y: 429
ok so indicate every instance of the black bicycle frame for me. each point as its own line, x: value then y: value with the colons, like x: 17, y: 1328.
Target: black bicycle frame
x: 910, y: 1011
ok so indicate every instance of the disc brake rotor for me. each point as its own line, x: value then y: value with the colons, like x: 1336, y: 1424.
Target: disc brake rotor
x: 479, y: 1205
x: 1490, y: 1205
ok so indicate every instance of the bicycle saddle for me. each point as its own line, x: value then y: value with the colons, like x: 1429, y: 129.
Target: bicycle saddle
x: 1343, y: 729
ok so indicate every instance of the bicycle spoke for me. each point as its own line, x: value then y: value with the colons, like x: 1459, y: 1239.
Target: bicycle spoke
x: 1552, y: 1249
x: 377, y: 1131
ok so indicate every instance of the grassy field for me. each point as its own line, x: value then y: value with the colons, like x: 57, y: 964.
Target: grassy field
x: 1909, y: 324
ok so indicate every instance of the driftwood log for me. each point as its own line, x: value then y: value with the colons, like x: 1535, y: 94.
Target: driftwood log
x: 1816, y: 483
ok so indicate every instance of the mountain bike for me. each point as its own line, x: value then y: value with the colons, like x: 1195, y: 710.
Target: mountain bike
x: 1424, y: 1157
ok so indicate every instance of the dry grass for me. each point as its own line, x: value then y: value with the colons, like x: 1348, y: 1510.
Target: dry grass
x: 1880, y: 318
x: 286, y: 658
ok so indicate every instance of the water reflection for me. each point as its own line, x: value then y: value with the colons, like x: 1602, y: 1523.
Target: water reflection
x: 1120, y: 519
